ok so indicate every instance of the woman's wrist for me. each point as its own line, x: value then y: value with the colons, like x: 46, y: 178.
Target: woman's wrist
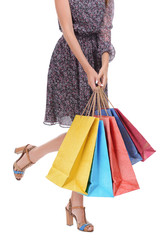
x: 87, y: 68
x: 105, y: 65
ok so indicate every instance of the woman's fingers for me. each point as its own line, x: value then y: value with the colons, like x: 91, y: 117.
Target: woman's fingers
x: 99, y: 78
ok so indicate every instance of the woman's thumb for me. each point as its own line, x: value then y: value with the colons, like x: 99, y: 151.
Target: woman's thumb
x: 98, y: 82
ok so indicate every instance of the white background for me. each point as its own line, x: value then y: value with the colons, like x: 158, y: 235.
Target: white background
x: 34, y: 208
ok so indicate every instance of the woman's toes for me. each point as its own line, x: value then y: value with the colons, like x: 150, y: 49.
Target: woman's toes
x: 90, y: 228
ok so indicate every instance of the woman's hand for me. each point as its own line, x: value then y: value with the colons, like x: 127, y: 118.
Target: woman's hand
x: 103, y: 75
x: 92, y: 76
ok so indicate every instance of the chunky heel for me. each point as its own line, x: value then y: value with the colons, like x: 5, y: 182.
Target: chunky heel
x: 69, y: 218
x: 19, y: 150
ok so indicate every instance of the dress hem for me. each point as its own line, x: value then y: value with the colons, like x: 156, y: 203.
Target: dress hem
x: 56, y: 123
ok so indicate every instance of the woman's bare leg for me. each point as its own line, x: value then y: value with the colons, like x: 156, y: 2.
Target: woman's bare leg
x: 51, y: 146
x: 38, y: 152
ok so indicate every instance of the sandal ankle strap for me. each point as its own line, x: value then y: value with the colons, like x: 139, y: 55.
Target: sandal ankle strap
x: 27, y: 150
x: 78, y: 207
x: 70, y: 206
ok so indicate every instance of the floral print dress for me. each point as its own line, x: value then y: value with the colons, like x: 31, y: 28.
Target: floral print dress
x: 68, y: 90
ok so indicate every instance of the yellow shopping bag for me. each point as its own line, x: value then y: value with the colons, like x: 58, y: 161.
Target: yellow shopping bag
x: 72, y: 165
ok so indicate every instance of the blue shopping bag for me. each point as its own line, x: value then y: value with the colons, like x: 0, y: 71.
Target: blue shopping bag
x: 100, y: 180
x: 133, y: 153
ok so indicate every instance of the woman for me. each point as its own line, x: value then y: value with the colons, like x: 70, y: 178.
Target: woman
x: 79, y: 62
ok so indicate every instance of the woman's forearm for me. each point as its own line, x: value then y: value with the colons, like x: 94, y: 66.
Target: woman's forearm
x: 105, y: 59
x: 77, y: 51
x: 75, y: 47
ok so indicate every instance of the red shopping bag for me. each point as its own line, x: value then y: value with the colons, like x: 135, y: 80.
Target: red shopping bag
x: 123, y: 176
x: 144, y: 148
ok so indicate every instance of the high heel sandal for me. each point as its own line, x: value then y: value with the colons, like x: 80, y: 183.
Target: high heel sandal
x: 18, y: 172
x: 83, y: 226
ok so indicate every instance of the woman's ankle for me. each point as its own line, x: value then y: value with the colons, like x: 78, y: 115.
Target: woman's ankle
x: 76, y: 199
x: 24, y: 159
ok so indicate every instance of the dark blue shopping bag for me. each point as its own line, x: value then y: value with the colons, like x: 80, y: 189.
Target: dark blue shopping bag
x: 133, y: 153
x: 100, y: 180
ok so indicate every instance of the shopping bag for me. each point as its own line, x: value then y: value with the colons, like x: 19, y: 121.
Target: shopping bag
x: 142, y: 145
x: 134, y: 155
x: 123, y: 176
x: 144, y: 148
x: 100, y: 180
x: 71, y: 167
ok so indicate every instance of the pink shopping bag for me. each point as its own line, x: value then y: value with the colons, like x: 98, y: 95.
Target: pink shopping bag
x: 144, y: 148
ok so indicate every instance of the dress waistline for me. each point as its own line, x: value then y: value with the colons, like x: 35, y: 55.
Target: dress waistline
x: 85, y: 35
